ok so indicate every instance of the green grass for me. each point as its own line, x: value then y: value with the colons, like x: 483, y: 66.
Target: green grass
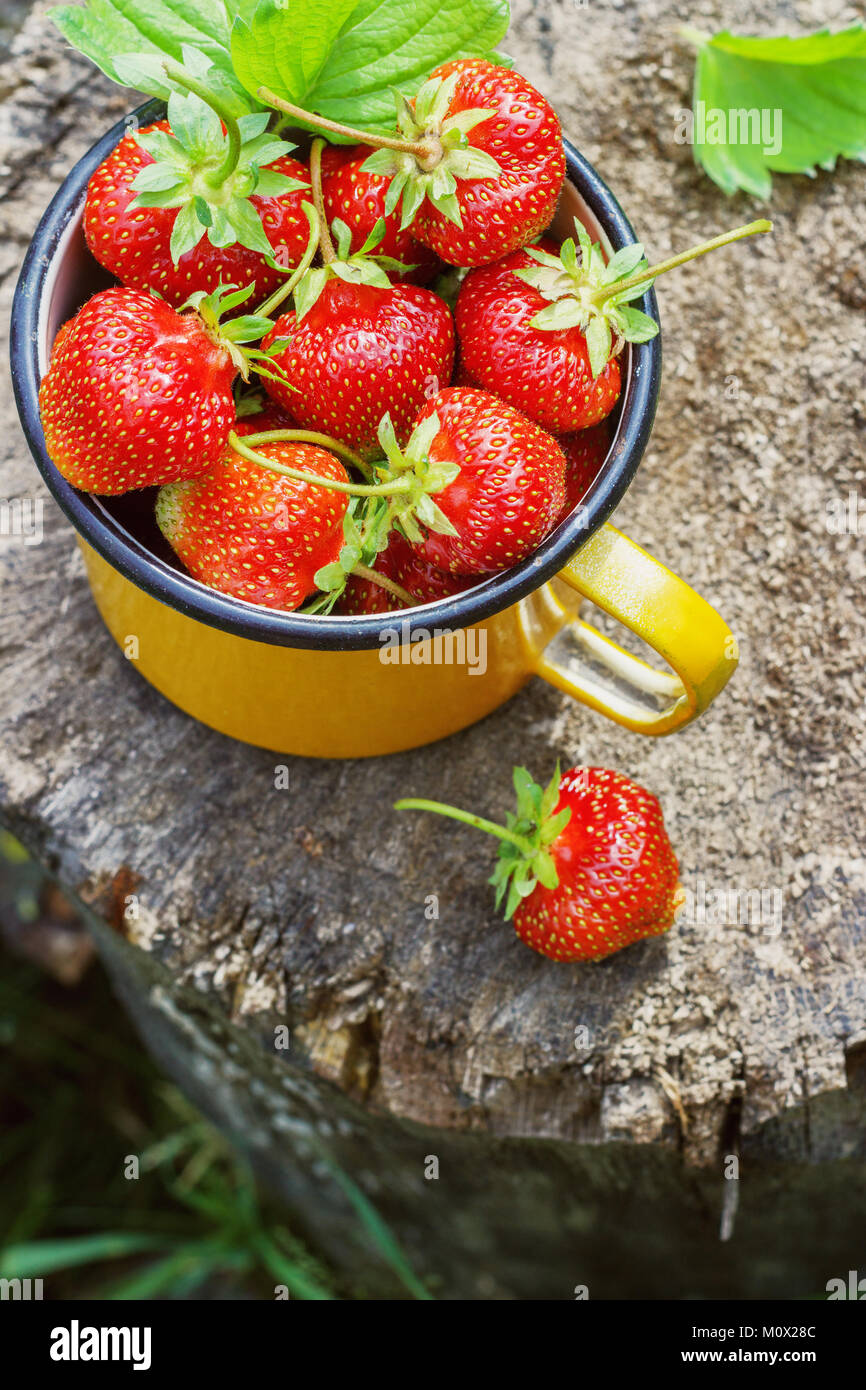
x: 78, y: 1097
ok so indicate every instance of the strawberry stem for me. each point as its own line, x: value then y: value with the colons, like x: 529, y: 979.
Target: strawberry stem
x: 698, y: 37
x: 364, y: 572
x: 301, y: 475
x: 423, y: 150
x: 215, y: 177
x: 325, y: 243
x: 324, y: 441
x: 467, y: 818
x: 288, y: 286
x: 751, y: 229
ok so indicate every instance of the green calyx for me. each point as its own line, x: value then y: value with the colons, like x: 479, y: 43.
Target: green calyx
x: 437, y: 152
x: 595, y: 297
x: 234, y: 335
x: 362, y: 267
x: 583, y: 294
x: 365, y: 536
x: 403, y: 487
x: 209, y: 173
x: 414, y: 478
x: 524, y: 841
x: 366, y: 521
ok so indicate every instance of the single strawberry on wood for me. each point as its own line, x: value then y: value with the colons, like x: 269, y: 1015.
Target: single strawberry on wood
x: 585, y: 866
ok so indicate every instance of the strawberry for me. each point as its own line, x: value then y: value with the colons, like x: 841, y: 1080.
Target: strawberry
x: 253, y: 533
x: 172, y: 210
x: 136, y: 394
x: 400, y: 562
x: 505, y: 483
x: 519, y: 131
x: 545, y: 373
x: 477, y: 160
x: 357, y: 347
x: 585, y: 866
x: 461, y: 377
x: 359, y: 199
x: 266, y: 417
x: 585, y: 453
x: 543, y: 327
x: 498, y: 482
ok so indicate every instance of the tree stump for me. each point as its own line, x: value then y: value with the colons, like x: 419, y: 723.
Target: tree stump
x: 584, y: 1118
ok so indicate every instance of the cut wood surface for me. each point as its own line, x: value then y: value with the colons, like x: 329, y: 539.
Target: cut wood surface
x: 260, y: 905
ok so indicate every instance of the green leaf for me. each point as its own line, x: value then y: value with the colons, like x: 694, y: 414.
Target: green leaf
x: 330, y: 577
x: 247, y: 226
x: 344, y: 59
x: 564, y: 313
x: 473, y: 164
x: 271, y: 184
x: 156, y: 178
x: 637, y: 327
x: 186, y: 233
x: 598, y: 343
x: 33, y: 1260
x: 422, y: 436
x: 448, y: 205
x: 624, y: 263
x: 636, y: 292
x: 545, y: 869
x: 551, y: 794
x: 553, y: 827
x: 285, y: 45
x: 527, y: 790
x: 783, y: 105
x: 194, y: 124
x: 247, y: 329
x: 309, y: 288
x: 105, y: 30
x: 254, y: 125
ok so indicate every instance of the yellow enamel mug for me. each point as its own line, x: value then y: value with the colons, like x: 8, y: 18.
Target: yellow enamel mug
x: 345, y: 687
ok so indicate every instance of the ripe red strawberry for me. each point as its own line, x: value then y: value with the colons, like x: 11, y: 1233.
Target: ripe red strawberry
x: 586, y: 864
x: 359, y: 199
x: 585, y: 453
x: 544, y: 327
x: 545, y: 373
x: 252, y: 533
x: 489, y: 165
x: 401, y: 563
x: 268, y: 417
x: 463, y: 378
x: 480, y: 162
x: 507, y: 492
x: 135, y: 238
x: 360, y: 352
x: 136, y: 394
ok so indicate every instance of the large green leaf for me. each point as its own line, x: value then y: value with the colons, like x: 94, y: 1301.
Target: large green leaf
x: 808, y: 96
x: 106, y: 30
x: 343, y: 60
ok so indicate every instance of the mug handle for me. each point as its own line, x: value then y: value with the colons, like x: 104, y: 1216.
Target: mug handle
x: 653, y: 602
